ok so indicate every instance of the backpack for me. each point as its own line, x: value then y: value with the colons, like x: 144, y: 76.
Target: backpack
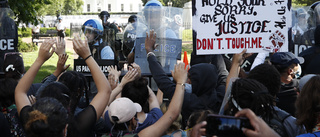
x: 276, y: 123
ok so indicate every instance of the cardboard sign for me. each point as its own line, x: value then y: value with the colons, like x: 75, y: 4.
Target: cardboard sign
x: 167, y: 53
x: 229, y: 26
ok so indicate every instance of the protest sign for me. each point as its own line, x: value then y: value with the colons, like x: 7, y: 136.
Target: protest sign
x: 229, y: 26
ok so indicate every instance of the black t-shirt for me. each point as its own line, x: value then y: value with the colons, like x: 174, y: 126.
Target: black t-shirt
x: 4, y: 126
x: 84, y: 120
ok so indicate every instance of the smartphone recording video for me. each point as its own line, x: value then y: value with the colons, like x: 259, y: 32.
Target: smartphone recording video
x: 226, y: 126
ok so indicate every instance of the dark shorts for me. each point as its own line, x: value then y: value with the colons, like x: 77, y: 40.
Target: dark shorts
x: 61, y: 33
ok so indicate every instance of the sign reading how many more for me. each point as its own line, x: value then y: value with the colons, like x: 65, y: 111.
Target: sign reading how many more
x: 229, y: 26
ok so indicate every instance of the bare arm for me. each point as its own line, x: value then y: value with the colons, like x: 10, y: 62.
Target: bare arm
x: 174, y: 109
x: 153, y: 101
x: 160, y: 96
x: 235, y: 66
x: 45, y: 52
x: 130, y: 75
x: 101, y: 100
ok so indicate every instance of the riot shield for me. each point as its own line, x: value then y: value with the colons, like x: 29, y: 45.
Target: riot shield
x: 8, y: 34
x: 166, y: 22
x: 129, y: 36
x: 79, y: 63
x: 303, y: 26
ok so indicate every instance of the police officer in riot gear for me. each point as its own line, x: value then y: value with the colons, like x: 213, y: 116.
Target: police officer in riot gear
x: 8, y: 31
x: 129, y: 35
x: 93, y: 30
x: 104, y: 16
x: 109, y: 34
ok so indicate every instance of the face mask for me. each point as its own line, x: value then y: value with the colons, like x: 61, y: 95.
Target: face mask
x: 297, y: 74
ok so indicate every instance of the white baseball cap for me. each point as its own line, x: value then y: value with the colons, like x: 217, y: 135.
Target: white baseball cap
x: 122, y: 110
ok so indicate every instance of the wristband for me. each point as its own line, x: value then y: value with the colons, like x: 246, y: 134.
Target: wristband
x: 150, y: 53
x: 182, y: 84
x: 87, y: 57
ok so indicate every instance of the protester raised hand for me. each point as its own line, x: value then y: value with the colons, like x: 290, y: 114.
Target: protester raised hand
x: 81, y: 47
x: 150, y: 41
x: 46, y: 50
x: 114, y: 71
x: 113, y: 82
x: 61, y: 67
x: 137, y: 67
x: 60, y: 46
x: 180, y: 73
x: 130, y: 76
x: 240, y: 57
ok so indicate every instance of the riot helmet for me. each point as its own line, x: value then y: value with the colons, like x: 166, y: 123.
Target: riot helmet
x: 302, y: 18
x: 153, y: 14
x: 132, y: 18
x: 104, y: 16
x: 93, y: 30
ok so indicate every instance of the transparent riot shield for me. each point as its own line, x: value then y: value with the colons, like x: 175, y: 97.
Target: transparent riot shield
x: 166, y: 22
x: 129, y: 37
x: 303, y: 26
x: 8, y: 34
x: 79, y: 63
x: 109, y: 37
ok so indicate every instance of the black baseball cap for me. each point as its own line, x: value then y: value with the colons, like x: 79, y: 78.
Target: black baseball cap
x: 285, y: 59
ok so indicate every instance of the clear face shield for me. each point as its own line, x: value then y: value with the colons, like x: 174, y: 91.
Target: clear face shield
x: 300, y: 24
x: 91, y: 34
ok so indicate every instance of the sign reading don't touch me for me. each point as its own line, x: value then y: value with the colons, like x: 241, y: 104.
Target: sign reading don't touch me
x: 229, y: 26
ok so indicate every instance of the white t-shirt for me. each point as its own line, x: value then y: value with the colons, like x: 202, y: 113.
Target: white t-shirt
x: 61, y: 26
x: 36, y: 29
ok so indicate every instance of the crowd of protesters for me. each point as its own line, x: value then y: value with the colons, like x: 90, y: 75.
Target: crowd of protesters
x: 270, y: 95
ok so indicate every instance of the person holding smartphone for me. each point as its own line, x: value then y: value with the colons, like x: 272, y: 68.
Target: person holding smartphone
x: 260, y: 128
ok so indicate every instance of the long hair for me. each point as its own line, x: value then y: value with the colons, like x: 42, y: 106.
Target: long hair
x: 77, y: 84
x: 249, y: 93
x: 137, y: 91
x: 308, y: 104
x: 47, y: 118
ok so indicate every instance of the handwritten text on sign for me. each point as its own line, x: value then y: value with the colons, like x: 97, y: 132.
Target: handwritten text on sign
x: 229, y: 26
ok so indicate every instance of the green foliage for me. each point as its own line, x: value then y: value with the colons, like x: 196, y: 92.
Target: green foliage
x: 67, y: 32
x: 26, y: 47
x: 303, y: 2
x: 176, y: 3
x: 187, y: 35
x: 44, y: 30
x: 65, y: 7
x: 27, y: 11
x: 25, y: 32
x: 72, y: 7
x: 32, y: 11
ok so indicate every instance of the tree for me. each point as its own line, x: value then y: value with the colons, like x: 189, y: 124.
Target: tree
x: 72, y: 7
x: 304, y: 2
x: 176, y: 3
x: 28, y: 11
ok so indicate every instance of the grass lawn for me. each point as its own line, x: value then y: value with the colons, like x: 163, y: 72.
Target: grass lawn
x: 48, y: 67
